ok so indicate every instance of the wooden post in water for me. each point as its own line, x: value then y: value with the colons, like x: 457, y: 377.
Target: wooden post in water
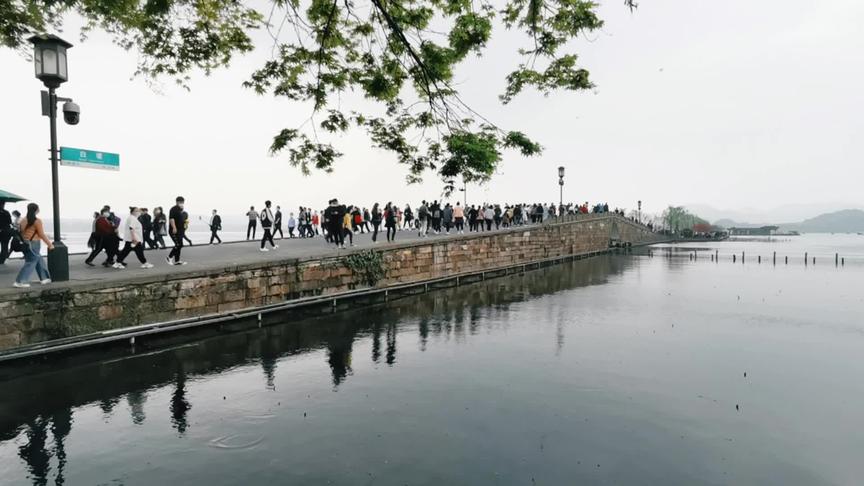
x: 843, y: 261
x: 775, y: 258
x: 814, y: 260
x: 742, y: 257
x: 717, y: 255
x: 805, y: 258
x: 787, y: 259
x: 836, y: 259
x: 760, y: 259
x: 733, y: 258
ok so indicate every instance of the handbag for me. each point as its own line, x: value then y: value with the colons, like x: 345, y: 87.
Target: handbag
x: 17, y: 243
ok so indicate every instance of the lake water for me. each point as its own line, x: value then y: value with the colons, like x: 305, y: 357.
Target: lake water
x: 615, y: 370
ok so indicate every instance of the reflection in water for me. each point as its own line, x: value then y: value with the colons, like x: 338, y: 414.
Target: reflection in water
x: 391, y: 343
x: 179, y: 404
x: 446, y: 312
x: 339, y: 357
x: 136, y: 400
x: 107, y: 405
x: 559, y: 335
x: 269, y: 356
x: 376, y: 342
x: 423, y: 330
x: 61, y: 426
x: 35, y: 453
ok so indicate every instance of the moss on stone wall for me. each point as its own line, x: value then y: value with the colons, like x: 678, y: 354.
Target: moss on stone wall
x: 368, y: 265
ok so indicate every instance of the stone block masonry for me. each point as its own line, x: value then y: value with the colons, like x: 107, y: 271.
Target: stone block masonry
x: 35, y: 317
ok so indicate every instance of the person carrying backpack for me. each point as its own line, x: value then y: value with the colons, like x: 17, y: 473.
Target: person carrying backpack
x: 267, y: 225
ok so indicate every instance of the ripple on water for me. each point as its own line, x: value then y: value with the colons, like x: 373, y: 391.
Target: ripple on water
x: 259, y: 417
x: 234, y: 442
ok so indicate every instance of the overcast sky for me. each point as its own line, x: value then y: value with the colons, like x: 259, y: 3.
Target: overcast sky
x: 735, y: 104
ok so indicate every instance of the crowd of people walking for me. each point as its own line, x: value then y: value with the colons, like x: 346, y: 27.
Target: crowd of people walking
x: 118, y: 237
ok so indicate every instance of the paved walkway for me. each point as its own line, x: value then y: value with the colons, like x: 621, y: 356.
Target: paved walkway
x: 203, y: 258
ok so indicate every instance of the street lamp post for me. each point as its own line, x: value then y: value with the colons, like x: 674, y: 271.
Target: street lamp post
x: 560, y: 187
x: 49, y: 59
x: 463, y: 189
x: 639, y: 212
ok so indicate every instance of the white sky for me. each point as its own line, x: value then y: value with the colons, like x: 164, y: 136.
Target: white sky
x: 734, y: 104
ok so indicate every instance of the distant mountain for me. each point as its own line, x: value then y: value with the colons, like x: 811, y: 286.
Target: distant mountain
x: 728, y: 223
x: 768, y: 214
x: 844, y: 221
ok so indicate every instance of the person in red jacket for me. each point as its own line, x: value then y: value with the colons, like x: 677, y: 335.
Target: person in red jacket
x: 104, y: 235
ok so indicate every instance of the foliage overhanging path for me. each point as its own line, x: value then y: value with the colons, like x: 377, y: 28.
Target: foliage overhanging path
x: 388, y: 50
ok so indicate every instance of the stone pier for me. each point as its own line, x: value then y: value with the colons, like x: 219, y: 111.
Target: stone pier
x: 87, y: 306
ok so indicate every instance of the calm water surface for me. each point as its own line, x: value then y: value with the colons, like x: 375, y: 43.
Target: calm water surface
x: 619, y: 369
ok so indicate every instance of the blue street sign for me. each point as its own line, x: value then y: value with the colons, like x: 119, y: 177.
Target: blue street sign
x: 90, y: 159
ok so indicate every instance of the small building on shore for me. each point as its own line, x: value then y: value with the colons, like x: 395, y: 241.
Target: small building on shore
x: 760, y: 231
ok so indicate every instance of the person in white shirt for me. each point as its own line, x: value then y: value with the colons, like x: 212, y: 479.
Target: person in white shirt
x: 133, y: 237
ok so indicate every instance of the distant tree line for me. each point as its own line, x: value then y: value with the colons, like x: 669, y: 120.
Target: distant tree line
x: 678, y: 220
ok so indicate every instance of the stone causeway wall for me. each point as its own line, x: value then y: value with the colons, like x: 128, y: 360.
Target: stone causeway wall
x: 58, y: 313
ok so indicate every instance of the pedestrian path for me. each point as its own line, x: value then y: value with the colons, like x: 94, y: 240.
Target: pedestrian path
x: 207, y: 257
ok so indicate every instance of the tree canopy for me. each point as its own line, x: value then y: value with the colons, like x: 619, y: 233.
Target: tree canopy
x: 400, y: 54
x: 678, y: 218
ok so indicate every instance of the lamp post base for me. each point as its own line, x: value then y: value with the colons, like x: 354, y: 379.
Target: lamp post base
x: 58, y: 262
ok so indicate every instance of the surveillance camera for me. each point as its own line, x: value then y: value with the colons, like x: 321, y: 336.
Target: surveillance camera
x: 71, y: 113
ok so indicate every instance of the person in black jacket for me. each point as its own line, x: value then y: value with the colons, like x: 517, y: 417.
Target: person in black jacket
x: 267, y: 225
x: 215, y: 227
x: 335, y: 215
x: 147, y: 228
x: 277, y: 223
x: 376, y: 222
x: 177, y: 229
x: 5, y: 232
x: 390, y: 221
